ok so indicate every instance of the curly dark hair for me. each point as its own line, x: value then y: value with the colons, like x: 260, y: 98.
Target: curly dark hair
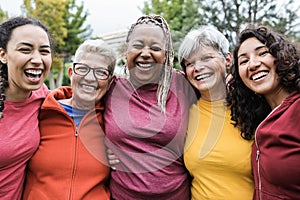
x: 248, y: 109
x: 6, y: 29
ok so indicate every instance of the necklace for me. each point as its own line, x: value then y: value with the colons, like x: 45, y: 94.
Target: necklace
x: 135, y: 91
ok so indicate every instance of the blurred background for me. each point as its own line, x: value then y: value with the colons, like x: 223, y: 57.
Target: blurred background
x: 73, y: 21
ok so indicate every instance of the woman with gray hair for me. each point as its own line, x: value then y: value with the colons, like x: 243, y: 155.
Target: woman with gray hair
x: 70, y: 162
x: 216, y: 154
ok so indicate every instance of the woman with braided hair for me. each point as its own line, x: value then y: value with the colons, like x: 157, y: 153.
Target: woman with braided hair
x: 146, y: 117
x: 25, y: 60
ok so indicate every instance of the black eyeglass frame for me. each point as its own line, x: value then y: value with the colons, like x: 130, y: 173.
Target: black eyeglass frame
x: 94, y: 69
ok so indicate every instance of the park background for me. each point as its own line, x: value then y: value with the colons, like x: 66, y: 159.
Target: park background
x: 73, y: 21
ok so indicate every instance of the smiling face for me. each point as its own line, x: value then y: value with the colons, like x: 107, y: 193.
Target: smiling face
x: 87, y: 90
x: 28, y: 59
x: 257, y: 68
x: 205, y: 70
x: 146, y: 54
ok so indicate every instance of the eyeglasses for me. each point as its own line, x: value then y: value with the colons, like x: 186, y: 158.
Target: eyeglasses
x: 100, y: 73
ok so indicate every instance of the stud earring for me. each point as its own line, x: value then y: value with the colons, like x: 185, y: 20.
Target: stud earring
x: 3, y: 61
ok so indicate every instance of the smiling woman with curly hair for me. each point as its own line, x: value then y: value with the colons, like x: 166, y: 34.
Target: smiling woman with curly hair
x: 265, y: 104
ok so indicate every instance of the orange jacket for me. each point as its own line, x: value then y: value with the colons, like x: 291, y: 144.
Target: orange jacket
x: 70, y: 163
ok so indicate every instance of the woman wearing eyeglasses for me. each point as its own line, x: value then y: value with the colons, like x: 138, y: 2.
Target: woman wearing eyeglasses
x: 70, y: 162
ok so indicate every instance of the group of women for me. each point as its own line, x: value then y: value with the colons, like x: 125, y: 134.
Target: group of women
x: 196, y: 134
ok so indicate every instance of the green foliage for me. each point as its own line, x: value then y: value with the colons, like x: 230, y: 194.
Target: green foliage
x: 229, y: 16
x: 65, y: 20
x: 77, y: 31
x: 3, y: 15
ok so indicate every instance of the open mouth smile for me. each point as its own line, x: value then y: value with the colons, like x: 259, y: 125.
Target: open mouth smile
x: 33, y: 74
x: 259, y: 75
x: 203, y: 76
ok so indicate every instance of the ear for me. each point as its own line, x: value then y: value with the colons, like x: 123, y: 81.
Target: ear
x: 3, y: 56
x: 70, y: 71
x: 228, y: 59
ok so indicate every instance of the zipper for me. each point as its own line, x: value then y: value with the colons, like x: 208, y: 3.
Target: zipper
x: 258, y: 153
x: 76, y: 132
x: 257, y: 161
x: 74, y: 164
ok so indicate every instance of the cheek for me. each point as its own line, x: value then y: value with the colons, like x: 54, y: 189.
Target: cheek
x: 189, y: 75
x: 103, y: 86
x: 160, y: 57
x: 129, y: 60
x: 74, y: 80
x: 189, y: 72
x: 243, y: 74
x: 48, y: 62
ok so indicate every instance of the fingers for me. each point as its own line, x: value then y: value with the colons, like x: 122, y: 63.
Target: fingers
x: 112, y: 159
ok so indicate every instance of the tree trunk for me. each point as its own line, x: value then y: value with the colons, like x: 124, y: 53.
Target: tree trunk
x: 51, y: 81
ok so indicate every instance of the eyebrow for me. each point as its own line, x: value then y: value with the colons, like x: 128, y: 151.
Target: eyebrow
x: 256, y: 49
x: 29, y: 44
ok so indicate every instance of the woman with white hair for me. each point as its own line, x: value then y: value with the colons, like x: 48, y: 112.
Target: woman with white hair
x: 217, y: 156
x: 70, y: 162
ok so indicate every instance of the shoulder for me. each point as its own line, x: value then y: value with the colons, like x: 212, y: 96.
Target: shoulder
x: 178, y: 74
x: 117, y: 80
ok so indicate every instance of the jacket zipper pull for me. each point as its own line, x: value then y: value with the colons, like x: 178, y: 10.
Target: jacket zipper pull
x: 257, y: 155
x: 76, y: 132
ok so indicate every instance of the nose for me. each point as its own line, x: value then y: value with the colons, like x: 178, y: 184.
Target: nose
x: 90, y: 76
x: 36, y: 57
x: 198, y: 66
x: 254, y: 63
x: 146, y: 52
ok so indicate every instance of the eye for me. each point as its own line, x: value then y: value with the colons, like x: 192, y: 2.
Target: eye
x: 207, y: 58
x: 25, y: 50
x: 101, y: 72
x: 243, y: 61
x: 189, y: 64
x: 45, y: 51
x: 81, y: 68
x: 262, y: 53
x: 138, y: 46
x: 155, y: 48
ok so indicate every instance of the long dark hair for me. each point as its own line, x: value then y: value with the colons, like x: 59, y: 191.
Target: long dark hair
x: 6, y: 29
x: 247, y: 108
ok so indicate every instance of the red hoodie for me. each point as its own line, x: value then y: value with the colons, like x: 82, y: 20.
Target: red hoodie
x: 70, y: 163
x: 276, y: 153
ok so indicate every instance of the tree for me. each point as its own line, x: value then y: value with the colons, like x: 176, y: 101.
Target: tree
x: 3, y: 15
x: 229, y: 16
x: 77, y: 31
x: 65, y: 21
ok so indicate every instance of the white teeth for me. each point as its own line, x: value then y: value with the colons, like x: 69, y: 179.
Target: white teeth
x: 34, y: 72
x: 145, y: 65
x: 88, y: 87
x: 259, y: 75
x: 202, y: 76
x: 34, y: 78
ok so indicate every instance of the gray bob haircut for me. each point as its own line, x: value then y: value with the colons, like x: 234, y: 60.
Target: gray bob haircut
x: 97, y: 46
x: 207, y: 36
